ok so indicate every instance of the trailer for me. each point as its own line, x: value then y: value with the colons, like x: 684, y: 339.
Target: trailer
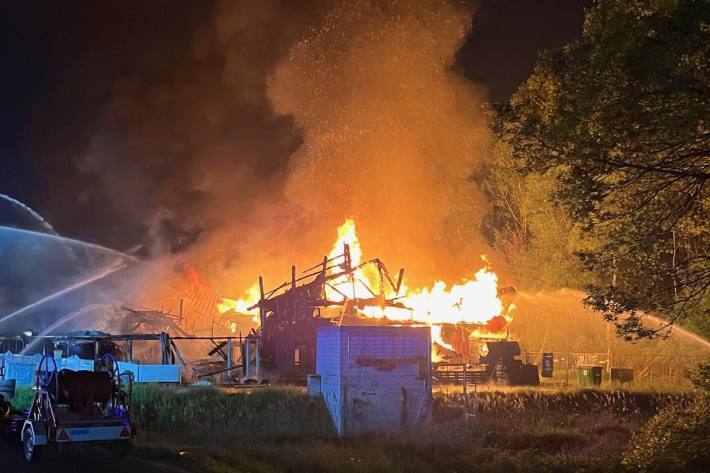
x: 79, y: 407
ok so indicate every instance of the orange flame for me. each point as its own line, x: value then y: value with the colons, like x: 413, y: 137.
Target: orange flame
x: 348, y: 236
x: 249, y: 298
x: 473, y: 300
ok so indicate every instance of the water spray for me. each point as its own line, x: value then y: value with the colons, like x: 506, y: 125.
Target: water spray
x: 67, y: 240
x: 61, y: 321
x: 30, y: 211
x: 96, y: 277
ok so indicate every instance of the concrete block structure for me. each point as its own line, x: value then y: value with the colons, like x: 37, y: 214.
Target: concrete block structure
x: 375, y: 378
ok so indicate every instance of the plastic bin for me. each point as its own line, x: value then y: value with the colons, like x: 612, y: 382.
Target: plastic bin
x: 590, y: 375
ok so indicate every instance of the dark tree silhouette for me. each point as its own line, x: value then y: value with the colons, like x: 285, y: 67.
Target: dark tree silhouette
x: 622, y: 116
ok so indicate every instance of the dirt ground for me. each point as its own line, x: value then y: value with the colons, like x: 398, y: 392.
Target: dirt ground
x: 80, y: 459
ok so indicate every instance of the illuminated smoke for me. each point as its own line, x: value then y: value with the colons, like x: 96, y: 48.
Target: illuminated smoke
x: 284, y: 119
x: 392, y: 132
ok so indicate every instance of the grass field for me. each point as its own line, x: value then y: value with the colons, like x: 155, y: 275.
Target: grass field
x: 282, y: 430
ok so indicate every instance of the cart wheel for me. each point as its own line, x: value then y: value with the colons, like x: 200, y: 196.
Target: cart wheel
x: 32, y: 452
x: 109, y: 363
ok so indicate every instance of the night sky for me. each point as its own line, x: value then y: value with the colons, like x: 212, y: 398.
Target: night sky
x: 62, y: 62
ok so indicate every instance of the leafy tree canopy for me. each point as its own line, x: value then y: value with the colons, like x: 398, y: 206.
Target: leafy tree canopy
x: 535, y: 235
x: 621, y: 116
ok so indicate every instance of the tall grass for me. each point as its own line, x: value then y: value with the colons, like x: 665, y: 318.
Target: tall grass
x: 637, y: 404
x: 259, y: 413
x: 282, y: 430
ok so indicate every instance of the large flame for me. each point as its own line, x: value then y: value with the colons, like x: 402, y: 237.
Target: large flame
x: 351, y: 288
x: 472, y: 301
x: 240, y: 306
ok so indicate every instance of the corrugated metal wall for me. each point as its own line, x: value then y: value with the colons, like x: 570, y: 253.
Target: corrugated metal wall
x: 375, y: 378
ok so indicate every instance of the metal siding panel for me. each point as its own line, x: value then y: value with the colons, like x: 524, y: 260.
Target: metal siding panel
x: 328, y: 367
x: 362, y: 398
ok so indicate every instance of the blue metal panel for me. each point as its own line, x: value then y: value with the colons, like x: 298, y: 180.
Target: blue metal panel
x: 21, y: 368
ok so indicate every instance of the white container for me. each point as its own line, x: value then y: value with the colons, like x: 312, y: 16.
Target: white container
x: 375, y: 378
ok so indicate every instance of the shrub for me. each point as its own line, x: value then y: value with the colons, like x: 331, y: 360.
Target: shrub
x: 675, y: 440
x: 23, y: 398
x: 700, y: 376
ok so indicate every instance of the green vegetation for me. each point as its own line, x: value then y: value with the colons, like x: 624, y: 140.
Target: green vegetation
x: 614, y: 127
x: 259, y: 413
x: 281, y: 430
x: 700, y: 376
x: 639, y: 405
x: 23, y: 398
x: 518, y: 430
x: 678, y: 438
x: 535, y: 235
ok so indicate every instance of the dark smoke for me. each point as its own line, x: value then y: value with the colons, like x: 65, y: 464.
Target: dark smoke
x: 244, y: 149
x: 186, y: 135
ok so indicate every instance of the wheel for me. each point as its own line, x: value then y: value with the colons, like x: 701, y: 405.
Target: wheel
x: 109, y: 364
x: 32, y: 452
x: 46, y: 373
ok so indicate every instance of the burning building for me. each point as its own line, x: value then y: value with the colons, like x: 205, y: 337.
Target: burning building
x: 291, y: 313
x: 347, y: 289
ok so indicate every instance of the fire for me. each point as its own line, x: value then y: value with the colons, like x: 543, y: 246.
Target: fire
x: 472, y: 301
x: 351, y: 289
x: 241, y: 306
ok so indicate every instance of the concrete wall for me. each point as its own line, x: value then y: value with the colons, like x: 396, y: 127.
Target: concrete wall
x: 375, y: 378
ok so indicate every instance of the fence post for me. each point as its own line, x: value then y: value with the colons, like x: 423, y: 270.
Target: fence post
x: 465, y: 389
x: 229, y: 359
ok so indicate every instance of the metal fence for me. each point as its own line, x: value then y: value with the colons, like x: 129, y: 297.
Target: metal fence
x: 659, y: 369
x: 649, y: 368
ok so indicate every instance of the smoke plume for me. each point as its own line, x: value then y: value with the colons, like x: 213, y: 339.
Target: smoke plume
x: 280, y: 120
x: 392, y: 132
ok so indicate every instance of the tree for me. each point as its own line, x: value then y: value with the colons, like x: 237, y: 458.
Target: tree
x: 534, y: 234
x: 622, y: 117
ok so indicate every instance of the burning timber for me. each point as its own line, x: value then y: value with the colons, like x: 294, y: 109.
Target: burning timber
x: 291, y: 313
